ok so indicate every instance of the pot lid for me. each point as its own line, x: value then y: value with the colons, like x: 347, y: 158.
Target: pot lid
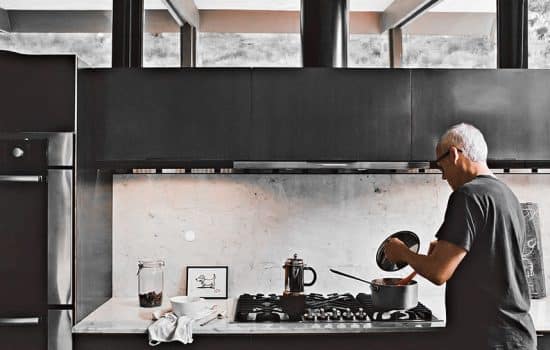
x: 410, y: 239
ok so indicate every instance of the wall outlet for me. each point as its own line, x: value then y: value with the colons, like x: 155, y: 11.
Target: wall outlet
x: 189, y: 235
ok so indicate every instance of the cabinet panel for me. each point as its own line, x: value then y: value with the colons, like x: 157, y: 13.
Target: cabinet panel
x: 330, y: 114
x: 37, y: 92
x: 510, y: 107
x: 543, y: 341
x: 167, y: 114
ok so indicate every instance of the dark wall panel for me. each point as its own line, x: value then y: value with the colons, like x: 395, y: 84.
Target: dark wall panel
x: 37, y: 92
x: 93, y: 214
x: 331, y: 114
x: 174, y: 114
x: 511, y: 108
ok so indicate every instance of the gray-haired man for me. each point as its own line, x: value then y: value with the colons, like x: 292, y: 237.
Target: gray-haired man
x: 477, y: 252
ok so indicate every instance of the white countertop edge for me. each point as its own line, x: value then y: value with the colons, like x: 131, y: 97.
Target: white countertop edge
x: 124, y: 316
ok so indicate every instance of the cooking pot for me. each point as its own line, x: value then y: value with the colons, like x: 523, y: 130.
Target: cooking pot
x: 387, y: 294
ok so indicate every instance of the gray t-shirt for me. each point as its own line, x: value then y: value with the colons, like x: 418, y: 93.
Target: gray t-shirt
x: 487, y: 298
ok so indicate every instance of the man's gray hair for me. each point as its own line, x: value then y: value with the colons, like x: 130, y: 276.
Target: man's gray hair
x: 468, y: 138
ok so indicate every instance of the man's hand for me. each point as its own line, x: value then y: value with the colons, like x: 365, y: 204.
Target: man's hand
x: 395, y: 250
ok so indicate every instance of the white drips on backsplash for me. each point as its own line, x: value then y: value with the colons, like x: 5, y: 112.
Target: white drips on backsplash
x: 252, y: 223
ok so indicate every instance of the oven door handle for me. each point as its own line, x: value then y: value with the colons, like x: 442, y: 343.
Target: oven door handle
x: 19, y: 321
x: 22, y: 178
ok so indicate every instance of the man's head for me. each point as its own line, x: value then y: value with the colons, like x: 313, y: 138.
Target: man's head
x: 462, y: 154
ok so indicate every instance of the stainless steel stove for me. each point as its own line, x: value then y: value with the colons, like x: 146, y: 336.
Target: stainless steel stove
x: 320, y: 308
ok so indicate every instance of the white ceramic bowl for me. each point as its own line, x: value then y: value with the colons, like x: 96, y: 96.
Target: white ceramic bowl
x: 188, y: 306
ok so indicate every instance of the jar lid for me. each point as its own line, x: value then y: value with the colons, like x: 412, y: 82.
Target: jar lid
x: 151, y: 263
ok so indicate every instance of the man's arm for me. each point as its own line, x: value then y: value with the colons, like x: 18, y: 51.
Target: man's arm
x: 437, y: 267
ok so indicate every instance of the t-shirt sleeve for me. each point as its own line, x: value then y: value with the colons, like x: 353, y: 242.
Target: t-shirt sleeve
x: 462, y: 221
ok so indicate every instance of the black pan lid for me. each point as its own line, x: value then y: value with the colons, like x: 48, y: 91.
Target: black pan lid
x: 410, y: 239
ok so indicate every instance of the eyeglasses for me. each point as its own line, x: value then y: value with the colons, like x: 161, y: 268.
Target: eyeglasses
x: 443, y: 157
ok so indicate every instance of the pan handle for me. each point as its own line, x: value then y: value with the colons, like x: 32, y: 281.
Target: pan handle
x: 374, y: 286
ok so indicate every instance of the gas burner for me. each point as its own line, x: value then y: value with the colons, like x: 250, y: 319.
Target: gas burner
x: 418, y: 313
x: 332, y: 308
x: 393, y: 315
x: 267, y: 317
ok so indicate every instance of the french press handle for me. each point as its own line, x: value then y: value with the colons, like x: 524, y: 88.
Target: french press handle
x: 314, y: 276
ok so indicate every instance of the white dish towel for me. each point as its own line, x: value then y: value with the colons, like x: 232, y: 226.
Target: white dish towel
x: 170, y: 328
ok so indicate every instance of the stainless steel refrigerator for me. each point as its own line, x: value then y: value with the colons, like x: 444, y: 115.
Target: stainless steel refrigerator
x: 36, y: 240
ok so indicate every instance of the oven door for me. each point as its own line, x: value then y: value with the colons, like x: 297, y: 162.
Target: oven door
x: 23, y: 261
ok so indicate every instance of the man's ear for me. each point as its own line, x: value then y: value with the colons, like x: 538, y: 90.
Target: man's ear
x: 454, y: 154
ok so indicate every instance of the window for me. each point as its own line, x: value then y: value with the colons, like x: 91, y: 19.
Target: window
x: 248, y: 50
x: 452, y: 34
x: 54, y: 27
x: 539, y: 38
x: 369, y: 51
x: 161, y: 36
x: 93, y: 49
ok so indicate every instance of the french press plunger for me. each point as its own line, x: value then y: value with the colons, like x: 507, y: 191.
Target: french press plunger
x: 294, y: 276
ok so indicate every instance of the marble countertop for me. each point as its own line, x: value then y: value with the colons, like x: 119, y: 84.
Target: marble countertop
x: 123, y: 315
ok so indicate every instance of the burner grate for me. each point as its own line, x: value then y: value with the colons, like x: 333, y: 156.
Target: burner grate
x: 419, y: 313
x: 320, y: 308
x: 260, y: 308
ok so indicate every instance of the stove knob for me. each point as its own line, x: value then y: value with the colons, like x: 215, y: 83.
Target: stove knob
x: 335, y: 315
x: 309, y: 315
x: 322, y: 316
x: 361, y: 315
x: 348, y: 315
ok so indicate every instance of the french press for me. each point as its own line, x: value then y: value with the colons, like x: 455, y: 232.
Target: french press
x: 294, y: 276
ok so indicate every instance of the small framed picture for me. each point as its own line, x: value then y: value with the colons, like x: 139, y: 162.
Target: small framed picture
x: 209, y: 282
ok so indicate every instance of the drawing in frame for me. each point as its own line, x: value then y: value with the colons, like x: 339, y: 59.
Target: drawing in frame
x: 209, y: 282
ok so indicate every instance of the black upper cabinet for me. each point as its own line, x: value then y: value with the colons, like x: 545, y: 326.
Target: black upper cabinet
x: 37, y: 92
x: 155, y: 117
x: 167, y: 115
x: 330, y: 114
x: 510, y: 107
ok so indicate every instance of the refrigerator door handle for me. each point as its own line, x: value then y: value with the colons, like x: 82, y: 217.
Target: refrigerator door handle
x: 21, y: 178
x: 19, y: 321
x: 60, y: 233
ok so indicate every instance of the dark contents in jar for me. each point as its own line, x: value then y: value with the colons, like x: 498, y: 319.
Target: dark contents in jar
x: 150, y: 299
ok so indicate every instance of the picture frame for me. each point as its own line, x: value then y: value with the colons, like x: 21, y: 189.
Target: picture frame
x: 209, y: 282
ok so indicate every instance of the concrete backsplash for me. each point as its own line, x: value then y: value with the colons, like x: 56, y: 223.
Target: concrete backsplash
x: 252, y: 223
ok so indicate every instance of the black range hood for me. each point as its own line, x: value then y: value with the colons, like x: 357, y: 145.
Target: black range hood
x: 324, y: 28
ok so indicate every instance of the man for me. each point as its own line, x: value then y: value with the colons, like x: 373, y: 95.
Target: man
x: 477, y: 252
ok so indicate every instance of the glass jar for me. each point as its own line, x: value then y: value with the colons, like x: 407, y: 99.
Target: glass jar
x: 150, y: 282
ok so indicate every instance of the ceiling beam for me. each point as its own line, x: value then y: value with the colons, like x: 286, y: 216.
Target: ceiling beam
x: 184, y: 11
x: 256, y: 21
x: 5, y: 25
x: 235, y: 21
x: 401, y: 12
x: 453, y: 23
x: 93, y: 21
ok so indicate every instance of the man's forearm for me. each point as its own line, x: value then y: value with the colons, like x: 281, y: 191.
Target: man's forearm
x: 426, y: 266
